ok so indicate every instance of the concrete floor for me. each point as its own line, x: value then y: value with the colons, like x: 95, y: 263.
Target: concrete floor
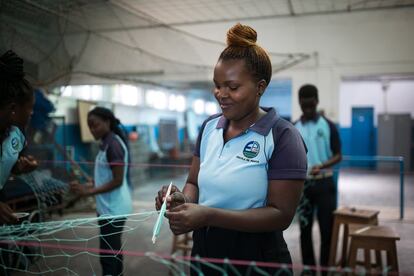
x: 361, y: 189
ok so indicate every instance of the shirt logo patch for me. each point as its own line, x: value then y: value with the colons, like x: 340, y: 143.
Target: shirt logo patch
x: 320, y: 133
x: 251, y: 149
x: 15, y: 143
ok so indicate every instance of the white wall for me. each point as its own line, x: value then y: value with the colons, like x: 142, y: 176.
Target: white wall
x: 347, y: 44
x: 279, y: 96
x: 399, y: 98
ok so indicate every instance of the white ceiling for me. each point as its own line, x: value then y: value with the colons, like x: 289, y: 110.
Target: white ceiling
x: 196, y: 11
x: 178, y: 12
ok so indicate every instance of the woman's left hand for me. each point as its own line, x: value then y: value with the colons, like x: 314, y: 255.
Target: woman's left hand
x: 187, y: 217
x: 80, y: 189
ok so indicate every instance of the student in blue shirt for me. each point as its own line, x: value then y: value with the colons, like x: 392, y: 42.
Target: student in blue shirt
x: 110, y: 186
x: 16, y: 105
x: 248, y: 167
x: 324, y: 151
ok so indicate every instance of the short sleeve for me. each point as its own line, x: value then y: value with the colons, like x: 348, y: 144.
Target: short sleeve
x: 198, y: 142
x: 335, y: 141
x: 288, y: 160
x: 115, y: 152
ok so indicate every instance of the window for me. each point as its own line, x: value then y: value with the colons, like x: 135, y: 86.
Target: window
x: 95, y: 92
x: 176, y: 103
x: 199, y: 106
x: 66, y: 91
x: 156, y: 99
x: 211, y: 108
x: 127, y: 95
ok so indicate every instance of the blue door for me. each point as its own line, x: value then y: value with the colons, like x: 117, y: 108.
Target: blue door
x: 362, y: 132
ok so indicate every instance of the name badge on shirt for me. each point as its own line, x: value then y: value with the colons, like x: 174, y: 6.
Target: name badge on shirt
x: 15, y: 145
x: 320, y: 133
x: 250, y: 151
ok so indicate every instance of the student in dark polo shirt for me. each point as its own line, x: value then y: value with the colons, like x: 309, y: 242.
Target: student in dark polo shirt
x: 110, y: 187
x: 247, y: 171
x: 324, y: 151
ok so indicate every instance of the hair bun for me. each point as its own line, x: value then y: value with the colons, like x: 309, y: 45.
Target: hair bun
x: 11, y: 66
x: 241, y: 36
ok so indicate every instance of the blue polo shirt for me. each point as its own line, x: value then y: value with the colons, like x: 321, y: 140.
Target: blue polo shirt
x: 321, y: 138
x: 235, y: 175
x: 112, y: 152
x: 9, y: 152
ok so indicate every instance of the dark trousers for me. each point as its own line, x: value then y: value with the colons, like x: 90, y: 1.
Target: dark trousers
x: 320, y: 196
x: 110, y: 239
x: 212, y: 242
x: 4, y: 255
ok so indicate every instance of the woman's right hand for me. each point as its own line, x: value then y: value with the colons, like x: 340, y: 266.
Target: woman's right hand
x: 6, y: 214
x: 176, y: 197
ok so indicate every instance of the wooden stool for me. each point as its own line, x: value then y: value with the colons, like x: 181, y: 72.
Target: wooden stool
x: 352, y: 228
x: 183, y: 243
x: 374, y: 238
x: 345, y: 216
